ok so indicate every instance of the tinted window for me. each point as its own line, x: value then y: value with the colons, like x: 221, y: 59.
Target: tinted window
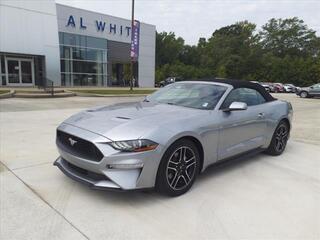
x: 249, y: 96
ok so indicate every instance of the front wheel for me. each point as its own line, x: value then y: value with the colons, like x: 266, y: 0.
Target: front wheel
x: 279, y: 139
x: 303, y: 94
x: 178, y: 168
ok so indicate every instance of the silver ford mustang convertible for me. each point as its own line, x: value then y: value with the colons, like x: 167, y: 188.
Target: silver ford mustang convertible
x: 165, y: 141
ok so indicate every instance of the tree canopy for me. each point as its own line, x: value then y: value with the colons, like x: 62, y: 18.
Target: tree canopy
x: 285, y: 50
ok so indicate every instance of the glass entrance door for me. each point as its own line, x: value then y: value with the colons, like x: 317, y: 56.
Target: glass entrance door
x: 26, y: 72
x: 20, y: 72
x: 13, y: 73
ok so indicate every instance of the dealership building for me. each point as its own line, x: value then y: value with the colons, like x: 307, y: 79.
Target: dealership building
x: 41, y: 41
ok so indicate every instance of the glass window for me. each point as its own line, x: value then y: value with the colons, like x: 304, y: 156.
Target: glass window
x: 69, y: 39
x: 65, y: 52
x: 93, y: 42
x: 88, y: 67
x: 61, y: 37
x: 66, y: 79
x: 88, y: 80
x: 84, y: 57
x: 201, y: 96
x: 316, y: 86
x: 77, y: 79
x: 249, y: 96
x: 79, y: 53
x: 65, y: 65
x: 95, y: 55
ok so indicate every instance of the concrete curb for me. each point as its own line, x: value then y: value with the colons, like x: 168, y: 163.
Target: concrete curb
x: 10, y: 94
x: 107, y: 95
x: 42, y: 95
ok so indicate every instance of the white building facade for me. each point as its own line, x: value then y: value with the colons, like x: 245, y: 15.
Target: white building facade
x: 41, y: 41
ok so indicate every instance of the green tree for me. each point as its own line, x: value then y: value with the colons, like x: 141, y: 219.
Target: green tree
x: 285, y: 50
x: 289, y: 37
x: 168, y: 48
x: 229, y: 49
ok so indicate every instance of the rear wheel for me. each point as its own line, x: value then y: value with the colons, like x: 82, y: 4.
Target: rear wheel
x: 178, y: 168
x: 279, y: 139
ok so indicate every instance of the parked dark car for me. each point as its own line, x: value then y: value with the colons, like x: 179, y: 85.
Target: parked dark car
x: 312, y: 91
x: 169, y: 80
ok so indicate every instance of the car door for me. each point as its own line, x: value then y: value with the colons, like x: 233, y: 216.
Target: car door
x: 243, y: 130
x: 315, y: 90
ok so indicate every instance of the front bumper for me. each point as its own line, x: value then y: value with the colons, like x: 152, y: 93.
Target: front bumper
x: 115, y: 171
x: 81, y: 175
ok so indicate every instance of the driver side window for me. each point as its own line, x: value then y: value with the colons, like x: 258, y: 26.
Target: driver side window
x: 249, y: 96
x: 316, y: 86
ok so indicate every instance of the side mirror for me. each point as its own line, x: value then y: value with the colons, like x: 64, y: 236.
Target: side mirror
x: 236, y: 106
x: 311, y: 87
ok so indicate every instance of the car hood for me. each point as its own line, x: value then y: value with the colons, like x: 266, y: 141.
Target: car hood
x: 129, y: 120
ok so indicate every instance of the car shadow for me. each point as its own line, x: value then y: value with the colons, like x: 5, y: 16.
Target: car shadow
x: 151, y: 197
x: 224, y: 166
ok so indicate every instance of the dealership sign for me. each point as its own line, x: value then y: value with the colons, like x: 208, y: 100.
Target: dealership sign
x: 101, y: 26
x: 135, y: 41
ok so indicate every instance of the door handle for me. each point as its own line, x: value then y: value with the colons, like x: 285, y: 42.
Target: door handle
x: 261, y: 115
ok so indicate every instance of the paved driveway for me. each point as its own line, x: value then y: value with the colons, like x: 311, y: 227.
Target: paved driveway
x: 260, y: 197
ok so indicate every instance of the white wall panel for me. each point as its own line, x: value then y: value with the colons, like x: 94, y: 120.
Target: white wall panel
x: 30, y: 27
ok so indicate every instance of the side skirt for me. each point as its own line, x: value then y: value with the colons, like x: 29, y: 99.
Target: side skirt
x: 236, y: 158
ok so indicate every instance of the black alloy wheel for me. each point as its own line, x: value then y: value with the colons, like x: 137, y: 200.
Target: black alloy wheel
x: 279, y: 139
x: 178, y: 168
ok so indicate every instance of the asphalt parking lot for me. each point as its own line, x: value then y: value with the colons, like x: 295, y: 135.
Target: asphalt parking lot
x: 261, y: 197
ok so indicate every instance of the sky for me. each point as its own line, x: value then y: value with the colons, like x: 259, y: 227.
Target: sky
x: 192, y: 19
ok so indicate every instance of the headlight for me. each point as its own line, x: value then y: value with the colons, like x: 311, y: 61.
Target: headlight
x: 139, y: 145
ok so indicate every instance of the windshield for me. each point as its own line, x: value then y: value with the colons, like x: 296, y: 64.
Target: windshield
x: 193, y: 95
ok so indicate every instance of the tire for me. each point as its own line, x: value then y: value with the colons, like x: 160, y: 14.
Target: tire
x: 176, y: 174
x: 279, y: 139
x: 304, y: 94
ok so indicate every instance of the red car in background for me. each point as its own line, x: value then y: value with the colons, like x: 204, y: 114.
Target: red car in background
x: 278, y: 87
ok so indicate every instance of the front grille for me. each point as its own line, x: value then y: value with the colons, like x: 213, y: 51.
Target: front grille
x: 81, y: 148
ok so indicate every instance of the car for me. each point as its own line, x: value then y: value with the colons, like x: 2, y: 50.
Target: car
x: 278, y: 87
x: 287, y: 88
x: 268, y: 87
x: 173, y: 135
x: 290, y: 88
x: 312, y: 91
x: 169, y: 80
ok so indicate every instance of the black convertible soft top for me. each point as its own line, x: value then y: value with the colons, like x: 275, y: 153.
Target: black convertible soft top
x: 241, y: 84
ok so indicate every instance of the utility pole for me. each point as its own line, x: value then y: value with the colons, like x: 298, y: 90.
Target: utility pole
x: 132, y: 59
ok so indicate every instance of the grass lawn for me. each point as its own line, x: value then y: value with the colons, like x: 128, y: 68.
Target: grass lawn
x: 4, y: 91
x: 114, y: 91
